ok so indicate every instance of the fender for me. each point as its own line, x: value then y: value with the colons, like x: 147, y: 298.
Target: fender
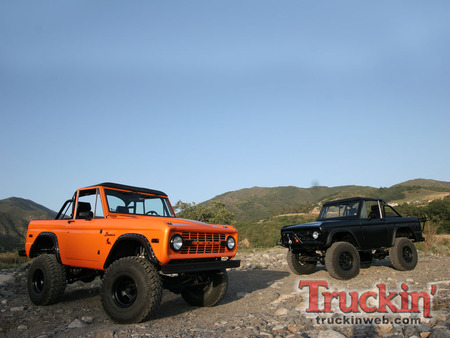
x: 338, y: 232
x: 135, y: 237
x: 42, y: 238
x: 404, y: 232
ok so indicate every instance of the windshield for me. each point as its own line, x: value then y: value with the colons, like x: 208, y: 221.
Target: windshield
x: 134, y: 203
x: 339, y: 210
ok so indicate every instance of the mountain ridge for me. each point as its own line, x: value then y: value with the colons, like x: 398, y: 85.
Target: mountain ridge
x: 15, y: 214
x: 249, y: 205
x: 256, y: 203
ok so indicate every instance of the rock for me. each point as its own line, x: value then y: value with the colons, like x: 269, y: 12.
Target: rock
x: 4, y: 279
x: 293, y: 328
x: 278, y: 328
x: 77, y: 324
x: 409, y: 331
x: 440, y: 333
x: 330, y: 334
x: 22, y: 327
x: 17, y: 309
x: 385, y: 328
x: 87, y: 319
x: 284, y: 297
x: 241, y: 294
x: 281, y: 312
x: 104, y: 334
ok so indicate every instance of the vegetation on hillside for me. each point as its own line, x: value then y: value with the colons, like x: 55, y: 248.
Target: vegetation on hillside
x: 214, y: 213
x: 254, y: 204
x: 437, y: 211
x: 259, y: 213
x: 15, y: 214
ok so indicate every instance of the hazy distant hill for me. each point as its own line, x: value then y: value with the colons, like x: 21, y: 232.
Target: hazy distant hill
x: 276, y: 206
x: 15, y: 214
x: 253, y: 204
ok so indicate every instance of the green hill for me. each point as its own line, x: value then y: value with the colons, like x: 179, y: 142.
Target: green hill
x: 254, y: 204
x: 15, y: 214
x: 259, y: 212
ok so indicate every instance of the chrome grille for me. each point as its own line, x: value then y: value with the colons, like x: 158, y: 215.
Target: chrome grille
x: 203, y: 243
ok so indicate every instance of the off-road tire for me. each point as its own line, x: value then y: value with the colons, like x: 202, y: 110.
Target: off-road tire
x: 298, y: 265
x: 403, y: 254
x: 131, y: 290
x: 208, y: 294
x: 46, y: 280
x: 342, y: 260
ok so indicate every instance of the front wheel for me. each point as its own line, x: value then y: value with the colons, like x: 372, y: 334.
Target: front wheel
x: 299, y: 264
x: 403, y: 254
x: 210, y: 290
x: 342, y: 260
x: 46, y: 280
x: 131, y: 290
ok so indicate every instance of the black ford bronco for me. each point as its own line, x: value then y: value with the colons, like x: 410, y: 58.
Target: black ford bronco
x: 350, y: 233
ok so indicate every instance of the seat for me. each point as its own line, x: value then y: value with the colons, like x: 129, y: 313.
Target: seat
x: 122, y: 210
x: 84, y: 211
x: 374, y: 212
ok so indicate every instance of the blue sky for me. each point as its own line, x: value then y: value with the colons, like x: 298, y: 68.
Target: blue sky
x: 197, y: 98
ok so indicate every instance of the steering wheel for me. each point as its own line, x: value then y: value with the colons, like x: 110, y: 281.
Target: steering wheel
x: 151, y: 212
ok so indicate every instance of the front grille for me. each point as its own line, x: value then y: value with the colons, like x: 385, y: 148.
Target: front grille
x: 203, y: 243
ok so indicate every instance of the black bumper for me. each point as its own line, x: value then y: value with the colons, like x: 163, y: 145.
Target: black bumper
x: 294, y: 243
x: 199, y: 266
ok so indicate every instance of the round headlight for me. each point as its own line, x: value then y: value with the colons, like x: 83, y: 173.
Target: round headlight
x: 176, y: 242
x: 230, y: 243
x: 315, y: 234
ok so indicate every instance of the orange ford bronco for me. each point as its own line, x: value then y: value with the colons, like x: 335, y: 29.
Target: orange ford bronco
x: 130, y: 237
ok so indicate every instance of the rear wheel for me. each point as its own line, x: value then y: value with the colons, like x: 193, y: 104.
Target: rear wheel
x: 299, y: 264
x: 342, y: 260
x: 210, y: 290
x: 403, y: 254
x: 131, y: 290
x: 46, y: 280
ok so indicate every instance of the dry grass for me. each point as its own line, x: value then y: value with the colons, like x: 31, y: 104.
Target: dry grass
x: 11, y: 260
x: 437, y: 244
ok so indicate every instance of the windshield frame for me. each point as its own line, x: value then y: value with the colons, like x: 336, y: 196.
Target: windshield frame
x: 135, y: 203
x: 344, y: 209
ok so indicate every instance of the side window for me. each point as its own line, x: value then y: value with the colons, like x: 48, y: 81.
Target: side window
x: 372, y: 209
x: 89, y: 205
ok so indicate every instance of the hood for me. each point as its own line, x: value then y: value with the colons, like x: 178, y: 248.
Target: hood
x: 308, y: 225
x: 180, y: 223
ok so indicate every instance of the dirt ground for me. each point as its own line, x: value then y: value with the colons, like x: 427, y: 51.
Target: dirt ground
x: 263, y: 299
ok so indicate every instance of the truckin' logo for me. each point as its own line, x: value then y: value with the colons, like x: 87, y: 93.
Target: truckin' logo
x: 377, y: 301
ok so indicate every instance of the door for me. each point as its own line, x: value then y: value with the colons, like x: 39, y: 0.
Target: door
x: 83, y: 231
x: 373, y: 225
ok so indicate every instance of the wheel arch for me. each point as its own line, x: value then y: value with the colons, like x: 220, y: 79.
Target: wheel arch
x: 401, y: 232
x: 342, y: 236
x: 127, y: 245
x: 45, y: 242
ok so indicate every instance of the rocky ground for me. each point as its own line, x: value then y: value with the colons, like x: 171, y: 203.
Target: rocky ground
x: 263, y: 299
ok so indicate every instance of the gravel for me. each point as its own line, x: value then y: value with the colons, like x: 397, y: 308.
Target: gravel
x: 263, y: 300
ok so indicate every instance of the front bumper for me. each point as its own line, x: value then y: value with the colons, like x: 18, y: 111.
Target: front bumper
x: 181, y: 267
x: 292, y: 241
